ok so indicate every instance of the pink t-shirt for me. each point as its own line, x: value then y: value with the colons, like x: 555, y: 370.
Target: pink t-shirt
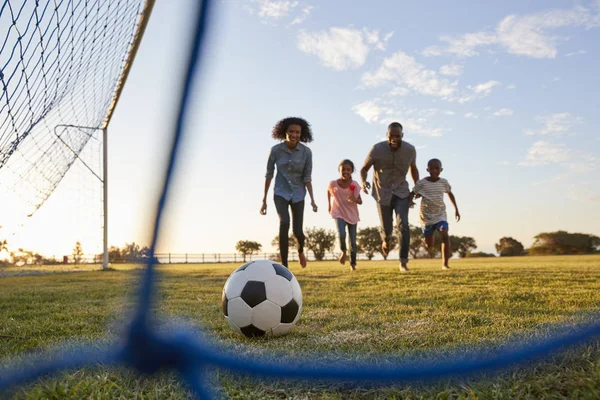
x: 341, y: 207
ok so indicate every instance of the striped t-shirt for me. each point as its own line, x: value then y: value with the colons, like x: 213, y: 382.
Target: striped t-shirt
x: 433, y: 209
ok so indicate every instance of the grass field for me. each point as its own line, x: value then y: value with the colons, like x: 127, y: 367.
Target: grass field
x: 375, y: 311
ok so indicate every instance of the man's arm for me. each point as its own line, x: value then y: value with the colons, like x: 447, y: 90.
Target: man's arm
x: 414, y: 172
x: 364, y: 171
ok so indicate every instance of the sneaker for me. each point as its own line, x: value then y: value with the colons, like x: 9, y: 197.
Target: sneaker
x: 403, y: 267
x: 342, y: 258
x: 353, y: 267
x: 302, y: 259
x: 445, y: 267
x: 385, y: 249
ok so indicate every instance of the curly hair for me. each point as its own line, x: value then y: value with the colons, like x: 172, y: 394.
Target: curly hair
x: 280, y: 129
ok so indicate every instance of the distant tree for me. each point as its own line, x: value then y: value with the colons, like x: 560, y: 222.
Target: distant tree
x: 22, y: 257
x: 480, y: 254
x: 144, y: 255
x: 275, y: 242
x: 562, y: 242
x: 369, y: 241
x: 77, y: 253
x: 508, y: 247
x: 463, y: 245
x: 247, y: 247
x: 3, y: 245
x: 131, y: 252
x: 320, y: 241
x: 115, y: 255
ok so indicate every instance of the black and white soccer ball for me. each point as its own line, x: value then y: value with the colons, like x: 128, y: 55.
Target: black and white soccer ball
x: 262, y: 298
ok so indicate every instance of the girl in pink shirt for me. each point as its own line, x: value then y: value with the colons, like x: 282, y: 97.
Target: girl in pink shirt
x: 344, y: 208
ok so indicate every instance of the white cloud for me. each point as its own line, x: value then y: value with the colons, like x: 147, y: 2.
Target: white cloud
x: 477, y: 92
x: 529, y: 35
x: 471, y: 115
x: 341, y: 48
x: 576, y: 53
x: 511, y: 86
x: 543, y: 153
x: 369, y: 110
x: 556, y: 79
x: 413, y: 120
x: 306, y: 10
x: 449, y: 112
x: 504, y: 112
x: 273, y: 11
x: 404, y: 70
x: 451, y: 70
x: 485, y: 87
x: 463, y: 45
x: 399, y: 91
x: 555, y: 124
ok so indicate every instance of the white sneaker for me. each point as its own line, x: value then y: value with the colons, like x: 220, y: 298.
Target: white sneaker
x: 403, y: 267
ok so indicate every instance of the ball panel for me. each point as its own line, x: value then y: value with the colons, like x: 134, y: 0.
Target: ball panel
x: 235, y: 284
x: 282, y: 329
x: 289, y: 312
x: 297, y: 316
x: 283, y: 271
x: 239, y: 312
x: 260, y: 270
x: 243, y: 267
x: 279, y: 290
x: 266, y: 315
x: 232, y: 325
x: 296, y: 291
x: 252, y: 331
x: 254, y: 293
x: 224, y: 302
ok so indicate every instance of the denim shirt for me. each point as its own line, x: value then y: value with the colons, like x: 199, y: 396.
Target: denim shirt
x: 294, y: 169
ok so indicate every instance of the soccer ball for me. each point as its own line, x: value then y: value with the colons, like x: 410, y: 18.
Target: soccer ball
x: 262, y: 298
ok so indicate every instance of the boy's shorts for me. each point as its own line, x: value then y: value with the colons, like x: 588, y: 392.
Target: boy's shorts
x: 428, y: 230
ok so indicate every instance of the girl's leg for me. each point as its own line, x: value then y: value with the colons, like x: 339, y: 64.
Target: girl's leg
x: 353, y: 247
x: 297, y: 222
x: 281, y: 205
x: 341, y: 227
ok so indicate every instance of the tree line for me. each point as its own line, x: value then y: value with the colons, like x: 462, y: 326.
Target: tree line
x: 322, y: 241
x: 129, y: 253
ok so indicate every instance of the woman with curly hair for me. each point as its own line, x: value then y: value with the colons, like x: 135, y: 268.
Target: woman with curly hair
x: 294, y: 170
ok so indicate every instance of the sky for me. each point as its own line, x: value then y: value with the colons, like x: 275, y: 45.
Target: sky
x: 504, y: 93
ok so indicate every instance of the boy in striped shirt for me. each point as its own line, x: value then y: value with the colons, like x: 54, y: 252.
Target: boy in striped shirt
x: 433, y: 210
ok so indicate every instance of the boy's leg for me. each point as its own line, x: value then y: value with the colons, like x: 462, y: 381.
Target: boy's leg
x: 297, y: 222
x: 429, y: 239
x: 386, y: 216
x: 281, y: 205
x: 341, y: 226
x: 353, y: 247
x: 401, y: 209
x: 446, y: 251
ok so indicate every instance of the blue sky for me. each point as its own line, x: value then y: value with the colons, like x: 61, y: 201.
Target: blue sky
x: 504, y: 93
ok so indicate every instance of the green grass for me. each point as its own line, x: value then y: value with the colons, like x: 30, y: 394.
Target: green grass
x: 373, y: 312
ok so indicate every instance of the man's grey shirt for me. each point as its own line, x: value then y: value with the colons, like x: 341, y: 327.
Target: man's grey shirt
x: 389, y: 170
